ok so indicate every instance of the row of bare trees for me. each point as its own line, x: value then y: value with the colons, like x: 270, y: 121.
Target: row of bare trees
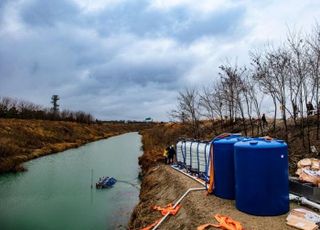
x: 286, y: 78
x: 13, y: 108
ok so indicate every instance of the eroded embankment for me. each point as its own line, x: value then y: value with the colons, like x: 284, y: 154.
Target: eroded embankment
x: 23, y: 140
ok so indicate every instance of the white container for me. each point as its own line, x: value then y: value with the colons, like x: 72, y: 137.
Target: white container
x: 194, y: 156
x: 181, y: 152
x: 204, y: 157
x: 188, y: 147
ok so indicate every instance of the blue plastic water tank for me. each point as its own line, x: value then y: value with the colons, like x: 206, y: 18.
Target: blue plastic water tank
x: 224, y: 185
x: 261, y: 176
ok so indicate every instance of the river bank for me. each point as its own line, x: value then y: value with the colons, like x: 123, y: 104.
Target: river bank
x: 23, y: 140
x: 162, y: 185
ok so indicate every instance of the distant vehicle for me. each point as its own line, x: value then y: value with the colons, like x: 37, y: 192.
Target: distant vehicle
x: 105, y: 182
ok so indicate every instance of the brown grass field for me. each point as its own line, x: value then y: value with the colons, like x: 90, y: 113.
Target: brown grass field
x: 22, y: 140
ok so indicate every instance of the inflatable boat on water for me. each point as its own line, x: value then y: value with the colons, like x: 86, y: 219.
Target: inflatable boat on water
x: 105, y: 182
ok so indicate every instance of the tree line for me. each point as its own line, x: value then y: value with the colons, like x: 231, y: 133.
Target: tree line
x: 287, y: 76
x: 14, y: 108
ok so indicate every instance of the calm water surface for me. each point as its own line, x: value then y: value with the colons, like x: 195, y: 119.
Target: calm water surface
x: 55, y: 192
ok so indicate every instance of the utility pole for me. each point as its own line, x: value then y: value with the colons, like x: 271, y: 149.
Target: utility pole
x: 54, y: 102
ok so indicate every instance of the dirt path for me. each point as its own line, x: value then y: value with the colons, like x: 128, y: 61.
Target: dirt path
x: 163, y: 185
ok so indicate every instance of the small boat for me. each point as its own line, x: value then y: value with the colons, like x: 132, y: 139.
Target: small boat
x: 105, y: 182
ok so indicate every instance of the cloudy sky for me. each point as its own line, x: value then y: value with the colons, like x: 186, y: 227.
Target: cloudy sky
x: 127, y: 59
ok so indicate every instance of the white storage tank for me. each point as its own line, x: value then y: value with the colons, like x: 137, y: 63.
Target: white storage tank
x: 204, y: 157
x: 181, y: 152
x: 194, y: 167
x: 194, y: 156
x: 189, y: 154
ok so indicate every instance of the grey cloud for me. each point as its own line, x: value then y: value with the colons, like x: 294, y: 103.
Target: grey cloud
x: 3, y: 3
x: 223, y: 23
x: 126, y: 73
x: 107, y: 60
x: 48, y: 13
x: 134, y: 17
x: 136, y: 102
x: 123, y: 62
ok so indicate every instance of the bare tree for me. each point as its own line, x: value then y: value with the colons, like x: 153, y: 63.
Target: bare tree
x: 299, y: 71
x: 211, y: 101
x: 188, y: 109
x: 4, y: 106
x: 13, y: 108
x: 253, y: 101
x: 314, y: 63
x: 232, y: 81
x: 207, y: 104
x: 271, y: 71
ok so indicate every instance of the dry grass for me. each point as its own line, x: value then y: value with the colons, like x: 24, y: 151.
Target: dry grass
x: 158, y: 137
x: 22, y: 140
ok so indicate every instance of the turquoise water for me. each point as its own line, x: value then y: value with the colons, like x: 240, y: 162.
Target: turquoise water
x: 55, y: 192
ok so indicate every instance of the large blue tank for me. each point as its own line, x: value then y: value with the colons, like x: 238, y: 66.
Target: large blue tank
x: 223, y: 159
x: 261, y: 175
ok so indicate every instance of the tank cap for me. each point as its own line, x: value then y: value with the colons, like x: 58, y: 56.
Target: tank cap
x: 253, y: 142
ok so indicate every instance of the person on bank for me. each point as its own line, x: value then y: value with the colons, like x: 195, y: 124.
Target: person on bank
x: 310, y: 108
x: 166, y: 155
x: 172, y: 153
x: 264, y: 121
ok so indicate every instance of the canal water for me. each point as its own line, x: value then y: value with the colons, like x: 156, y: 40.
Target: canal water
x: 55, y: 192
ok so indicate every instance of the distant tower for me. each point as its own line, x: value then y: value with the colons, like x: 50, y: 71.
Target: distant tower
x: 54, y: 102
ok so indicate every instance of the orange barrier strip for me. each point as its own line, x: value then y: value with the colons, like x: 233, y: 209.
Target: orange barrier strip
x: 225, y: 223
x: 211, y: 179
x: 164, y: 211
x: 168, y: 209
